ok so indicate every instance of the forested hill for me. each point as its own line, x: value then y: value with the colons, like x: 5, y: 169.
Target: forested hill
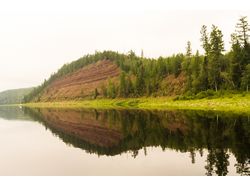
x: 13, y: 96
x: 111, y: 74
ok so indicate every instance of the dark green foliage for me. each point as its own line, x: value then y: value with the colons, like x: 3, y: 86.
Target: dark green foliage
x: 111, y: 90
x: 205, y: 94
x: 129, y: 89
x: 203, y: 78
x: 139, y: 81
x: 122, y: 88
x: 246, y: 78
x: 177, y: 64
x: 215, y: 58
x: 236, y: 61
x: 195, y: 68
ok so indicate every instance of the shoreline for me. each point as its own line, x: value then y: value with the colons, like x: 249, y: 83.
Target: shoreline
x: 236, y: 104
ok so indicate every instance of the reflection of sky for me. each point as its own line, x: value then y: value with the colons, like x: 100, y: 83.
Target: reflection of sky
x: 36, y: 42
x: 28, y: 149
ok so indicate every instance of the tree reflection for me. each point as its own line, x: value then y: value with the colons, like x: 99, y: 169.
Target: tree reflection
x: 243, y: 168
x: 132, y: 130
x: 210, y: 163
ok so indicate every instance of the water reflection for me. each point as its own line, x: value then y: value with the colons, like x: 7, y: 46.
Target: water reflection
x: 113, y: 132
x: 13, y: 113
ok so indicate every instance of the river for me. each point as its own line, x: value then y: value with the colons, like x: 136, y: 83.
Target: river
x: 123, y: 142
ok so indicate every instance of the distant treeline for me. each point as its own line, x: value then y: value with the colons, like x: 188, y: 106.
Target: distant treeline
x: 214, y: 70
x: 14, y: 96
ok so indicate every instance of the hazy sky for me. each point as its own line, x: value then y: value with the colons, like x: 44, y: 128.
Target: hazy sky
x: 38, y: 37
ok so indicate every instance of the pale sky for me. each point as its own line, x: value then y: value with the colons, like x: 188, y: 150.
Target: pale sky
x: 38, y: 37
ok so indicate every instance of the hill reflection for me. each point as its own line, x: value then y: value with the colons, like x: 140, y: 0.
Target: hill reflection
x: 113, y: 132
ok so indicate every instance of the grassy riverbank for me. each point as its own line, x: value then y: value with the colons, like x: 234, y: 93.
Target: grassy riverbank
x: 235, y: 103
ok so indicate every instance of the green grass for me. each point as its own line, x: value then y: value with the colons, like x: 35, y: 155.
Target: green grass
x: 237, y: 103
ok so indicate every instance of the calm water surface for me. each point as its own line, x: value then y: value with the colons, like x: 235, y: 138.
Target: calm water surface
x: 123, y: 142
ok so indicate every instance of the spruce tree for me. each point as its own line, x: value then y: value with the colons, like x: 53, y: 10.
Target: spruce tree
x: 215, y: 57
x: 187, y: 65
x: 236, y: 60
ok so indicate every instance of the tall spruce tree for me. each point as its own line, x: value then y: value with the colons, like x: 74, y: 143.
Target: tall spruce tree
x: 215, y: 57
x: 235, y: 61
x: 203, y: 78
x: 205, y: 40
x: 187, y: 65
x: 242, y: 30
x: 196, y: 72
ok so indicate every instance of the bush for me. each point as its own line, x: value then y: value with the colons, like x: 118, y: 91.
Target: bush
x: 187, y: 96
x: 201, y: 95
x: 205, y: 94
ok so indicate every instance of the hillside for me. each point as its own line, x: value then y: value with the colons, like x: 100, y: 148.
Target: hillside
x: 13, y: 96
x: 110, y: 74
x: 81, y: 83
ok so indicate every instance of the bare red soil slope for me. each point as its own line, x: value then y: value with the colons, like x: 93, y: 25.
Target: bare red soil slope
x: 82, y: 83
